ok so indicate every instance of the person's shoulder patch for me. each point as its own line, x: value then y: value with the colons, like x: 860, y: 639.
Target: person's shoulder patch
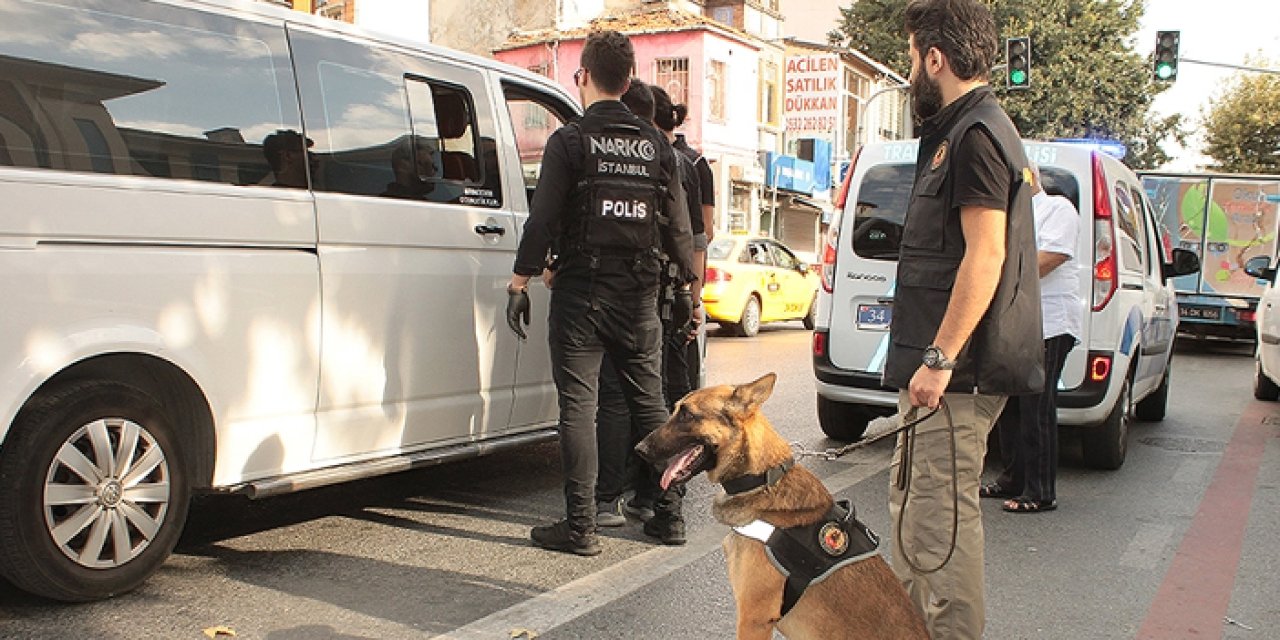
x: 939, y: 156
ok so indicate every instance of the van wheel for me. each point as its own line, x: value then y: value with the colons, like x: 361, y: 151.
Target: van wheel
x: 749, y: 325
x: 844, y: 421
x: 1263, y: 387
x: 93, y: 492
x: 811, y: 318
x: 1152, y: 407
x: 1105, y: 445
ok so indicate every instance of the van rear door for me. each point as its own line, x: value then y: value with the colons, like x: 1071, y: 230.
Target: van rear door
x: 867, y: 256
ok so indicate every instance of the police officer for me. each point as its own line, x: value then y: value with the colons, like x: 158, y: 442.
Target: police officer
x: 609, y: 202
x: 967, y: 322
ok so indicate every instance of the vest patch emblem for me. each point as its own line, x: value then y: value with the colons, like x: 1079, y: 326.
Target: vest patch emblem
x: 938, y: 156
x: 833, y: 539
x: 1027, y: 176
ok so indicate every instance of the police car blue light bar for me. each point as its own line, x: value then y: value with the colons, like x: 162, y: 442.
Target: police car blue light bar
x: 1110, y: 147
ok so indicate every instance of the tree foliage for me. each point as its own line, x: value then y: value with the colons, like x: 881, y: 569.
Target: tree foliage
x: 1242, y: 125
x: 1086, y: 79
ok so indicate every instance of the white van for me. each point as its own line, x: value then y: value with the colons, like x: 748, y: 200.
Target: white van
x: 1119, y: 371
x: 243, y: 249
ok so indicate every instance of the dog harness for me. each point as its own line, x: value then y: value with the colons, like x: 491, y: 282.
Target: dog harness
x: 807, y: 554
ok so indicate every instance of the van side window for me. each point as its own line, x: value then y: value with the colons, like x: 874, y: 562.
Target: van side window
x: 393, y: 125
x: 1128, y: 221
x: 534, y: 117
x: 880, y: 210
x: 104, y: 88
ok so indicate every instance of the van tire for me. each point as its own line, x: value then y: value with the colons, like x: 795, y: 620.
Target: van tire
x: 1263, y: 387
x: 843, y: 421
x: 1152, y: 408
x: 811, y: 318
x: 749, y: 324
x: 85, y: 416
x: 1106, y: 444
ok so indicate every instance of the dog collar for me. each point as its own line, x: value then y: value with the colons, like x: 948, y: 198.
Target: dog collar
x: 743, y: 484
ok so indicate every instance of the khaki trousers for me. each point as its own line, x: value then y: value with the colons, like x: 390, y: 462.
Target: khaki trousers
x: 951, y: 599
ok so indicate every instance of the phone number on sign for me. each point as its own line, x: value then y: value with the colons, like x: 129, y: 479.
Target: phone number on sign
x: 811, y: 123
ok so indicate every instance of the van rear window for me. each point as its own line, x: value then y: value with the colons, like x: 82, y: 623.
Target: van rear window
x: 880, y: 210
x: 882, y: 206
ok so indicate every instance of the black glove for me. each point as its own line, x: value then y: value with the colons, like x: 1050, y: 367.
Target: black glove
x: 517, y: 310
x: 682, y: 309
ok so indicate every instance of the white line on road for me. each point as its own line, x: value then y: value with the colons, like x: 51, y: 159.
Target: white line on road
x: 573, y: 600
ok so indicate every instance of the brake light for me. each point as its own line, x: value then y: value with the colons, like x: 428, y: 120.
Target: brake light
x: 1099, y: 368
x: 718, y: 275
x: 1248, y: 316
x: 831, y: 239
x: 1105, y: 278
x: 819, y: 344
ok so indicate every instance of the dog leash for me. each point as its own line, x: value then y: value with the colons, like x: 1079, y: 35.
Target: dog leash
x: 834, y: 453
x: 904, y: 474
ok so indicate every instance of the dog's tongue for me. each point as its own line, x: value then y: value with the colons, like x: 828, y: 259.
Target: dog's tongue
x: 678, y: 464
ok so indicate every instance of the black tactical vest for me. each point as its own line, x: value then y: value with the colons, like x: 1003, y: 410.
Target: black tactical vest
x: 620, y: 196
x: 1005, y: 354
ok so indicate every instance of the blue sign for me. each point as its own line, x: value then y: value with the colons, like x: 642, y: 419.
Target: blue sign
x: 790, y: 173
x: 821, y: 165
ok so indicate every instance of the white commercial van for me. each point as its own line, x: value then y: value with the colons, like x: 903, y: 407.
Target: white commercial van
x: 246, y: 249
x: 1121, y: 369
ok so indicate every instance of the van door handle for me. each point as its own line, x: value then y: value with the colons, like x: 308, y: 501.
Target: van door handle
x: 486, y: 229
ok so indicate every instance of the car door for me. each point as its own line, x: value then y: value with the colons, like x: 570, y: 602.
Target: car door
x: 1163, y: 322
x: 1157, y: 334
x: 1268, y: 320
x: 794, y: 290
x: 533, y: 114
x: 415, y: 248
x: 763, y: 272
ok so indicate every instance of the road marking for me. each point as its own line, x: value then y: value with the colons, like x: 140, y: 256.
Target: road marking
x: 570, y: 601
x: 1196, y: 591
x: 1147, y: 547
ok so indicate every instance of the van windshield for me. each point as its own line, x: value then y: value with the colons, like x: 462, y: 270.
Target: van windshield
x: 880, y: 210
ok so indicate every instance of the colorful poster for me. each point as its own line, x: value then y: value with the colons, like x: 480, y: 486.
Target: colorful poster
x: 1240, y: 223
x: 1179, y: 207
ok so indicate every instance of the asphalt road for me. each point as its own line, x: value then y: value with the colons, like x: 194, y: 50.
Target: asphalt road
x: 444, y: 552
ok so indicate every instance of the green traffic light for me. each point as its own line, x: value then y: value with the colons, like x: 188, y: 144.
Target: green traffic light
x: 1018, y: 76
x: 1164, y: 71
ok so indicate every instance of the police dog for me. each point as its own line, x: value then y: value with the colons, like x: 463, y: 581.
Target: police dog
x: 721, y: 431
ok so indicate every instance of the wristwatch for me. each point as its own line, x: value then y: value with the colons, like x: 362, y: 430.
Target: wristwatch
x: 934, y: 358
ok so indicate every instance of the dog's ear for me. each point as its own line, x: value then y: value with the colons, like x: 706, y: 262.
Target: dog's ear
x: 751, y: 395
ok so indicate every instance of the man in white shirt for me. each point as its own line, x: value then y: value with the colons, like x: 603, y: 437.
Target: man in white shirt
x: 1028, y: 428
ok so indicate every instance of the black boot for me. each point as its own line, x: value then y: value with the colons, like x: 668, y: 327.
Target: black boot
x: 563, y: 537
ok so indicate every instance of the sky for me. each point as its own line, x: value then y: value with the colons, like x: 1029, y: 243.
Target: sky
x: 1224, y: 31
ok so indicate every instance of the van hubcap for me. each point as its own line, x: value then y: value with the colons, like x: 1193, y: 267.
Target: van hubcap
x: 106, y: 493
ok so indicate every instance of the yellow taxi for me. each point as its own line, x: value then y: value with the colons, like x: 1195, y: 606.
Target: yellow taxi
x: 752, y: 280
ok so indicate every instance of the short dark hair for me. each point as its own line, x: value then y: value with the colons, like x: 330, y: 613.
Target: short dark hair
x: 639, y: 99
x: 963, y: 30
x: 665, y: 115
x: 610, y: 59
x: 274, y: 146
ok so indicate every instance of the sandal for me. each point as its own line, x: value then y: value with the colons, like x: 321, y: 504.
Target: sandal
x: 1027, y: 505
x: 994, y: 490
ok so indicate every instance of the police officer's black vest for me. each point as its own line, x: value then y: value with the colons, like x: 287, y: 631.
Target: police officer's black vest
x: 1005, y: 354
x: 620, y: 196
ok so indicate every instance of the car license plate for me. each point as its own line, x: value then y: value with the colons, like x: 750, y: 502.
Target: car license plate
x: 874, y: 316
x: 1200, y: 313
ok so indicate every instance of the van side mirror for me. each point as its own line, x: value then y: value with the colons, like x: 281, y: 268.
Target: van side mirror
x: 1184, y: 263
x: 1260, y: 267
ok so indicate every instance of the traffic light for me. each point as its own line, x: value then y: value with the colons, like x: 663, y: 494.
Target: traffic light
x: 1166, y: 61
x: 1018, y: 55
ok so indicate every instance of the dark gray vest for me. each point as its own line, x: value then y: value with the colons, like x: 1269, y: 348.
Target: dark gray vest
x: 1005, y: 354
